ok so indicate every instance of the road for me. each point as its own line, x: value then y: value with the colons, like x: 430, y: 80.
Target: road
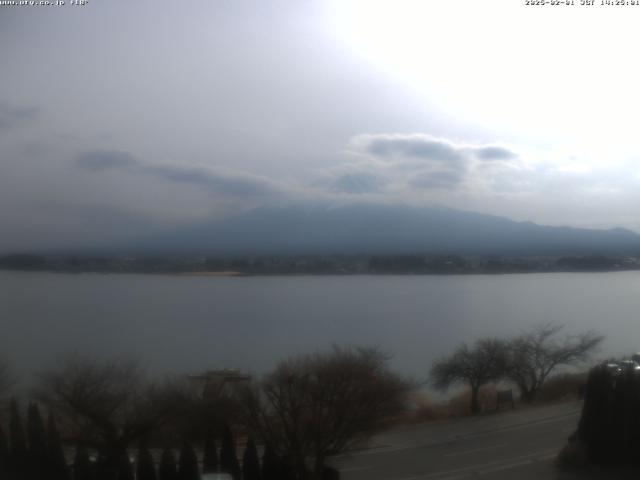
x: 520, y: 444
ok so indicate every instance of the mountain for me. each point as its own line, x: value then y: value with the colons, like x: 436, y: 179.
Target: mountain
x: 382, y: 229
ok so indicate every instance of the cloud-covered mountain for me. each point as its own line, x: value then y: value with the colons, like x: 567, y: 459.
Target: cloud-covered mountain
x: 383, y: 229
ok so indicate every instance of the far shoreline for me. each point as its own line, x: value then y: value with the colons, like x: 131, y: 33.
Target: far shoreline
x: 238, y: 274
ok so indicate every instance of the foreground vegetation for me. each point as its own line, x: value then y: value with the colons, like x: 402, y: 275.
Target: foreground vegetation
x: 526, y: 361
x: 309, y: 408
x: 608, y: 432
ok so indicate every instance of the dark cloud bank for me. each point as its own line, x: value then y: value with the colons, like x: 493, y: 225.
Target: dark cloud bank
x: 215, y: 179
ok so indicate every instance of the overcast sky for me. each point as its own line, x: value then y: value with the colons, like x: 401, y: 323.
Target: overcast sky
x: 121, y: 117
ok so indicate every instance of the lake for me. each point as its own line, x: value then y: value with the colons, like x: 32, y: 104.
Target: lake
x: 187, y: 324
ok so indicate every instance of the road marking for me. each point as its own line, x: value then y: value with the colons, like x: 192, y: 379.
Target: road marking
x: 481, y: 449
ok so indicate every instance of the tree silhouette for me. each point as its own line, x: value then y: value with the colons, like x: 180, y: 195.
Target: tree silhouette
x: 125, y: 469
x: 188, y: 463
x: 210, y: 458
x: 270, y: 464
x: 82, y: 466
x: 58, y: 468
x: 19, y: 452
x: 319, y: 405
x: 4, y: 454
x: 228, y: 457
x: 167, y: 470
x: 145, y: 469
x: 535, y: 354
x: 250, y: 462
x: 111, y: 402
x: 37, y: 442
x: 477, y: 365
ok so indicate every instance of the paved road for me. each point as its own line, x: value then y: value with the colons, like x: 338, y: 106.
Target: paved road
x: 520, y: 445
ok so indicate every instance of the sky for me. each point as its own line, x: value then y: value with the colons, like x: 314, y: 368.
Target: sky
x: 120, y: 118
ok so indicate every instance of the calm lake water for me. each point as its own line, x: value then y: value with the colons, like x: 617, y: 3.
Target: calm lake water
x: 186, y: 324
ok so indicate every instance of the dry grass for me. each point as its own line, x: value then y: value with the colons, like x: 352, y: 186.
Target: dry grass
x: 564, y: 386
x: 426, y: 410
x: 558, y: 388
x: 460, y: 405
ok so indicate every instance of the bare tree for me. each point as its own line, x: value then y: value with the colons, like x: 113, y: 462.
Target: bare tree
x: 319, y: 405
x: 109, y: 404
x: 535, y: 354
x: 477, y: 365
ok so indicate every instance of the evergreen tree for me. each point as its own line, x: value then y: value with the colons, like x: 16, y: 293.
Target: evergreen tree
x: 18, y: 443
x: 287, y: 470
x: 188, y: 463
x: 228, y: 457
x: 167, y: 470
x: 37, y: 443
x: 58, y: 468
x: 270, y: 465
x: 4, y: 454
x: 125, y: 469
x: 210, y: 459
x: 82, y: 467
x: 145, y: 470
x: 250, y: 462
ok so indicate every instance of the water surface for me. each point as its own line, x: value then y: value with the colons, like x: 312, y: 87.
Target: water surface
x: 186, y: 324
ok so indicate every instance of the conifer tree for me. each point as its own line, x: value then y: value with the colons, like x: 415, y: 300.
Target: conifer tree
x: 188, y: 463
x: 82, y: 467
x: 210, y: 458
x: 37, y: 443
x: 125, y: 469
x: 250, y: 462
x: 4, y: 454
x: 18, y: 444
x: 58, y: 468
x: 167, y: 470
x: 270, y: 465
x: 145, y: 470
x: 287, y: 471
x: 228, y: 458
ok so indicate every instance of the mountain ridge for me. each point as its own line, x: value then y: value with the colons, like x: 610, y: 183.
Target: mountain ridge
x: 382, y: 229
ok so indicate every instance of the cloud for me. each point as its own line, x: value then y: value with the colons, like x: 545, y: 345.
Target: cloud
x: 421, y: 161
x: 494, y: 153
x: 214, y: 179
x: 445, y: 179
x: 414, y: 161
x: 424, y: 146
x: 358, y: 183
x: 409, y: 145
x: 100, y: 160
x: 11, y: 116
x: 352, y: 181
x: 219, y: 180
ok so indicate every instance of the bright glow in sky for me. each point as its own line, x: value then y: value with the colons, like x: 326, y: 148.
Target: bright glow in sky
x: 561, y: 75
